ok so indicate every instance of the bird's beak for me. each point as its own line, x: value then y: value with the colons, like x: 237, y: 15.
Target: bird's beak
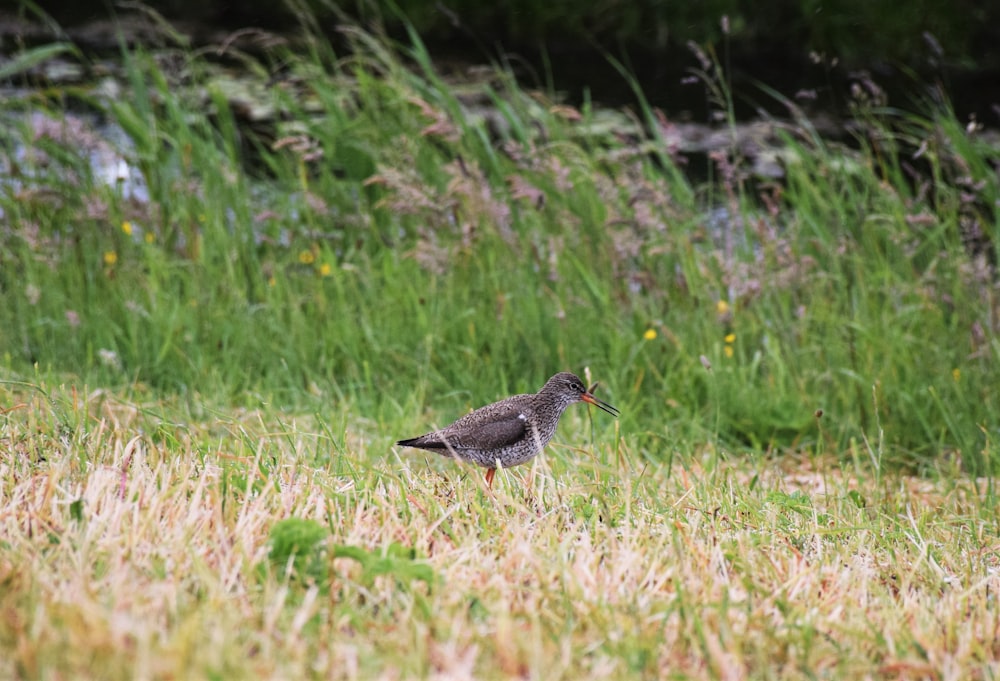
x: 589, y: 398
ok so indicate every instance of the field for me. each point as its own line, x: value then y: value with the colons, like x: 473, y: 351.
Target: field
x: 139, y: 548
x: 207, y: 357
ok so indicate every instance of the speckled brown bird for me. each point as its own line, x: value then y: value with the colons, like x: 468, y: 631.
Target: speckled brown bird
x: 511, y: 431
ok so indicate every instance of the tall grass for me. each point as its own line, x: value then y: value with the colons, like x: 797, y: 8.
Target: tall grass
x: 397, y: 244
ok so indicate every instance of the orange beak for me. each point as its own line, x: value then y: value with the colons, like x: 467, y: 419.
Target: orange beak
x: 589, y: 398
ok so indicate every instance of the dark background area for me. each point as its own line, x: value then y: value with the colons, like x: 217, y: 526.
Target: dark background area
x: 791, y: 45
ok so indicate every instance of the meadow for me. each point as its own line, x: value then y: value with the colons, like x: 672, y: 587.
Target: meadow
x: 207, y: 357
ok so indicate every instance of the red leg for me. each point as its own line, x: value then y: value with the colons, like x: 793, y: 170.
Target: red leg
x: 490, y: 472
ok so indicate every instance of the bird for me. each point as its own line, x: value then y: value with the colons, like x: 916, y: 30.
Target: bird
x: 512, y: 431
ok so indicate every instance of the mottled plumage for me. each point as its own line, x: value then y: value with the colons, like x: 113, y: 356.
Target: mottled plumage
x: 510, y: 431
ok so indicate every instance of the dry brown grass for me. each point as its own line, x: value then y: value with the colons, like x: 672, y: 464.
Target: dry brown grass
x: 590, y: 564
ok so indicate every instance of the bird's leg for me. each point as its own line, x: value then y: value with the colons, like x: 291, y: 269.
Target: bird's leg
x: 490, y: 472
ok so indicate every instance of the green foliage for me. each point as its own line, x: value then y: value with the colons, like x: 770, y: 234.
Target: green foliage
x: 26, y: 60
x: 395, y: 560
x: 76, y: 510
x: 400, y: 242
x: 298, y: 546
x: 301, y: 548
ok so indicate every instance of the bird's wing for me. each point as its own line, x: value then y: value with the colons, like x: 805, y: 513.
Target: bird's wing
x: 498, y: 433
x: 493, y: 427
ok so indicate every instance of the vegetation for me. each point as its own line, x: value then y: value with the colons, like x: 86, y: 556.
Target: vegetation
x: 209, y: 354
x: 396, y: 244
x: 266, y: 546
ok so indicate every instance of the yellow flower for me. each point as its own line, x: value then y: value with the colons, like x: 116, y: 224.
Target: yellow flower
x: 307, y: 257
x: 110, y: 257
x: 728, y: 350
x: 730, y: 338
x: 722, y: 307
x: 271, y: 281
x: 650, y: 334
x: 956, y: 374
x: 150, y: 237
x: 325, y: 270
x: 127, y: 228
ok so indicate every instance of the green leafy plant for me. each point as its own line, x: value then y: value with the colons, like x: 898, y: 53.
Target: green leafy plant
x: 300, y: 548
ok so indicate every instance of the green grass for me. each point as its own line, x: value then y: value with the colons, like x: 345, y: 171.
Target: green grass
x: 188, y: 379
x: 393, y: 242
x: 138, y: 542
x: 395, y: 245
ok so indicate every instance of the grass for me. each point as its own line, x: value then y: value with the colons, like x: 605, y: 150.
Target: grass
x: 205, y: 368
x: 392, y: 242
x: 171, y: 554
